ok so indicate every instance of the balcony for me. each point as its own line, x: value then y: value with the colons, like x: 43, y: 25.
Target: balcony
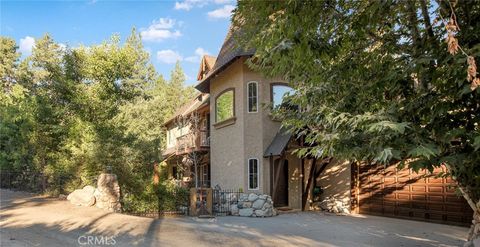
x: 193, y: 142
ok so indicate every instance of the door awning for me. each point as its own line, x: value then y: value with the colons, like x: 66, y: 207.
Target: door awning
x: 279, y: 143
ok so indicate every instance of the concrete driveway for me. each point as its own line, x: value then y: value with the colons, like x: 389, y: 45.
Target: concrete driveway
x: 29, y: 220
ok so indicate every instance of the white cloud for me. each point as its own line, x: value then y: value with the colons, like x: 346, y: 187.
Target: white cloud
x: 189, y: 4
x: 26, y: 45
x: 221, y: 13
x: 168, y: 56
x: 222, y: 1
x: 199, y: 52
x: 192, y: 59
x: 159, y: 30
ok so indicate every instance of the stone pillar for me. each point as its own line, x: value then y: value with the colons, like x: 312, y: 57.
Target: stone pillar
x: 107, y: 194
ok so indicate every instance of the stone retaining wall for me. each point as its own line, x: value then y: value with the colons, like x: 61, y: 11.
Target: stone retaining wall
x: 252, y: 205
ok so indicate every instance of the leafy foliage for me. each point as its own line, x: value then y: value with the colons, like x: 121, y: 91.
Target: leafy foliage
x: 75, y: 112
x: 374, y: 79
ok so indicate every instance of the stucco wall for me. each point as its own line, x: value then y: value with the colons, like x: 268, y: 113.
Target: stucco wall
x: 335, y: 181
x: 259, y: 129
x: 227, y: 143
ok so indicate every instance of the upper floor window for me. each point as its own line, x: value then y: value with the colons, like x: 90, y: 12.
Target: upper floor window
x: 224, y: 106
x: 252, y: 94
x: 279, y: 91
x: 170, y: 138
x: 253, y: 174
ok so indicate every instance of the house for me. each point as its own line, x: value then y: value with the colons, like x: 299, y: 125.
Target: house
x: 249, y: 151
x: 188, y: 143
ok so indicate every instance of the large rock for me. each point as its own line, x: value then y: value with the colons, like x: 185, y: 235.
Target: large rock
x: 252, y: 197
x: 247, y: 204
x: 243, y: 197
x: 108, y: 193
x: 258, y: 204
x: 245, y: 212
x: 234, y: 209
x: 83, y: 197
x: 268, y: 212
x: 260, y: 213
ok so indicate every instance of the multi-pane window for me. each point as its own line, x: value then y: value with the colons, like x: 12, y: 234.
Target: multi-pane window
x: 224, y: 107
x: 253, y: 174
x: 279, y: 91
x: 252, y: 94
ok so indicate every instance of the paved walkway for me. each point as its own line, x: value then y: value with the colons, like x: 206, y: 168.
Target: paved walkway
x: 28, y: 220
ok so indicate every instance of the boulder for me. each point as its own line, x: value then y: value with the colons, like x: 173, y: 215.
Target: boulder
x: 258, y: 204
x: 108, y: 193
x: 263, y: 197
x: 234, y: 209
x: 252, y: 197
x: 83, y: 197
x: 240, y: 204
x: 245, y: 212
x: 247, y: 204
x: 274, y: 212
x: 268, y: 212
x: 243, y: 197
x: 260, y: 213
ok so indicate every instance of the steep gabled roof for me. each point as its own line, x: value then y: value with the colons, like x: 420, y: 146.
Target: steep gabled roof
x: 200, y: 100
x: 228, y: 53
x: 206, y: 65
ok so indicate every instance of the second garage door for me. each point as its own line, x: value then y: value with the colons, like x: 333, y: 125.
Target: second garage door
x: 403, y: 193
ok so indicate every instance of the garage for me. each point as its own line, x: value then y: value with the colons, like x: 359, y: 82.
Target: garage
x: 402, y: 193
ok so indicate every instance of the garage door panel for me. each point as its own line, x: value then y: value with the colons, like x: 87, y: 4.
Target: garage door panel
x: 404, y: 193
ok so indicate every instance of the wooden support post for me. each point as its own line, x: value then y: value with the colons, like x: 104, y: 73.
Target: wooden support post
x: 193, y: 202
x: 309, y: 184
x: 303, y: 181
x: 272, y: 168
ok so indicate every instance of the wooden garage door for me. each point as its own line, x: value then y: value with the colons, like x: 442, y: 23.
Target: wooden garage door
x: 406, y: 194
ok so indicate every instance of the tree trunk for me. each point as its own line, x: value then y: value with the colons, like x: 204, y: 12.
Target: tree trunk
x: 474, y: 232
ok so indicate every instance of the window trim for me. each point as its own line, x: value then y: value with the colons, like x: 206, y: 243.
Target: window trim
x: 272, y: 85
x: 248, y: 96
x: 258, y: 174
x: 216, y: 98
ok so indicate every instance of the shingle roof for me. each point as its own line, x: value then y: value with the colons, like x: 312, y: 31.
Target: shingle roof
x: 198, y: 102
x: 206, y: 65
x: 228, y: 53
x: 279, y: 143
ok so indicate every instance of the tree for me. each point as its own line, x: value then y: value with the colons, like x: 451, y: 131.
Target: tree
x: 71, y: 113
x: 8, y: 62
x: 375, y: 79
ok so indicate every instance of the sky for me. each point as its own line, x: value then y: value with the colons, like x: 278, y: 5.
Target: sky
x: 181, y: 30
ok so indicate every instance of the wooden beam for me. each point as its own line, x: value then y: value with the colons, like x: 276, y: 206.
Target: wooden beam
x: 309, y: 184
x: 302, y: 172
x: 272, y: 169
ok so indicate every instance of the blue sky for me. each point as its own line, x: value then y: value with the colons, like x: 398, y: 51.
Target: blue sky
x: 171, y: 30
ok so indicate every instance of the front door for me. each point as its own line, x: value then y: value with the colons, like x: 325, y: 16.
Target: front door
x: 281, y: 183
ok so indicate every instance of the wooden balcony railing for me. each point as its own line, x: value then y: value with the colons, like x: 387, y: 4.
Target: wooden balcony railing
x: 189, y: 142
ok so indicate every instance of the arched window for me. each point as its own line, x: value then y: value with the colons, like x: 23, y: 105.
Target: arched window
x: 252, y: 96
x: 279, y: 91
x: 224, y: 106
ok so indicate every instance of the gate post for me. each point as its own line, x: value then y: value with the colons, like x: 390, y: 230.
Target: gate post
x: 210, y: 200
x: 193, y: 202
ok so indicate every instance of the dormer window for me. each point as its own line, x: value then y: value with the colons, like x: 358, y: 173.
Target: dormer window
x: 224, y: 106
x: 252, y: 96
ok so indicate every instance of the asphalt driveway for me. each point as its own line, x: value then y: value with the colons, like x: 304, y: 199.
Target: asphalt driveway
x: 29, y: 220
